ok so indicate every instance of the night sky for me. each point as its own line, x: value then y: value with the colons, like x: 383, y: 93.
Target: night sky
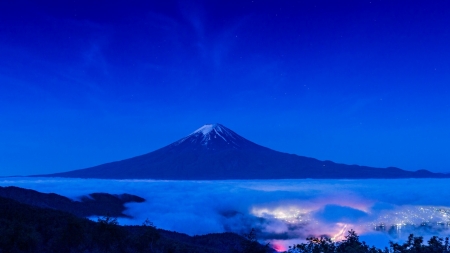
x: 357, y: 82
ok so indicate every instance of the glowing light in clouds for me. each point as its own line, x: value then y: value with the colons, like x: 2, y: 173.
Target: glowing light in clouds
x: 289, y: 215
x: 341, y: 234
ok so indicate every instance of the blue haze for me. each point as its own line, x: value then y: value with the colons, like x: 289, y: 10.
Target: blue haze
x: 357, y: 82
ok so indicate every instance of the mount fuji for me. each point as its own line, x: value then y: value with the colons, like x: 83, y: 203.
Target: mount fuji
x: 214, y: 152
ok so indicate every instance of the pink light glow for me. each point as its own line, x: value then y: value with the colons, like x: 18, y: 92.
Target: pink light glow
x: 278, y: 246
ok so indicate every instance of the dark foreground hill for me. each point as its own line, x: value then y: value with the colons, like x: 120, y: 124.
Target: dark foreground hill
x: 214, y: 152
x: 25, y: 228
x: 95, y: 204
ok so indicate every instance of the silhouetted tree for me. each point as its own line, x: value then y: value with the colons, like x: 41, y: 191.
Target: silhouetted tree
x: 251, y: 245
x: 351, y: 244
x: 415, y: 245
x: 108, y: 234
x: 315, y: 245
x: 146, y: 240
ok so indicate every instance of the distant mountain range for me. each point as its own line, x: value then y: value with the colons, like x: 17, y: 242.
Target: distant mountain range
x: 214, y: 152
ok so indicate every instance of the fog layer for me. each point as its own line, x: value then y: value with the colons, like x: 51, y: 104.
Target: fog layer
x: 282, y: 211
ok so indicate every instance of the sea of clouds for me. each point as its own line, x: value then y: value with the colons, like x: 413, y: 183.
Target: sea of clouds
x: 283, y: 212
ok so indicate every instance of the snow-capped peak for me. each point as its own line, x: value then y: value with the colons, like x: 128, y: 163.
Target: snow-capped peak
x: 210, y: 132
x: 210, y: 129
x: 206, y: 129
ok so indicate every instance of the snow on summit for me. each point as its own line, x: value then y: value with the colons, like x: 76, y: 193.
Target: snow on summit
x: 206, y: 129
x: 211, y: 132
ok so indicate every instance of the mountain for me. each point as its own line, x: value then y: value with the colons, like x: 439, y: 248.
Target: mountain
x: 214, y: 152
x: 94, y: 204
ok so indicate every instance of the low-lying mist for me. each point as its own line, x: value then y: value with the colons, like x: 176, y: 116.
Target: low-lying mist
x: 282, y: 211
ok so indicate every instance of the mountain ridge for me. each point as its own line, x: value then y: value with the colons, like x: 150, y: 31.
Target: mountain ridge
x: 214, y: 152
x: 94, y: 204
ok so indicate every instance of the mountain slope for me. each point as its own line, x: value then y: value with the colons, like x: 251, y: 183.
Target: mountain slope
x: 215, y: 152
x: 95, y: 204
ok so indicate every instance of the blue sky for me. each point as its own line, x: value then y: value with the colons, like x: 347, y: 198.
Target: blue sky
x: 356, y: 82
